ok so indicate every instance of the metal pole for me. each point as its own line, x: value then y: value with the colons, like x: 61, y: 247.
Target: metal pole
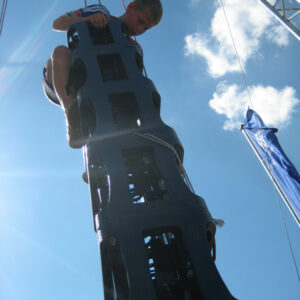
x: 283, y: 8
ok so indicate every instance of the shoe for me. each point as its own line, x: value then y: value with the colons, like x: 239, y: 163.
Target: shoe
x: 85, y: 177
x: 73, y: 125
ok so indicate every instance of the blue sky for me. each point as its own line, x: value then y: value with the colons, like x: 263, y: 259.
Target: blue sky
x: 48, y: 249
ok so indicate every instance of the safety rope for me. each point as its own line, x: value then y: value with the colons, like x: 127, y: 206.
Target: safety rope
x: 124, y: 5
x: 236, y: 53
x: 159, y: 141
x: 247, y: 88
x: 85, y: 3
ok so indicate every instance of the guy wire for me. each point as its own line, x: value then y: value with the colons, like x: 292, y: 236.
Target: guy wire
x: 287, y: 234
x: 236, y: 53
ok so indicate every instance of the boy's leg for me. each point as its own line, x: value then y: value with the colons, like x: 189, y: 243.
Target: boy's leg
x: 61, y: 65
x: 47, y: 83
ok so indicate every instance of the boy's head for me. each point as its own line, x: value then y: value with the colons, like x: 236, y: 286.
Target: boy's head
x: 141, y: 15
x: 152, y: 8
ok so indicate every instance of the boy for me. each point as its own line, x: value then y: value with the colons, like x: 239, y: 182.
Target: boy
x: 140, y: 15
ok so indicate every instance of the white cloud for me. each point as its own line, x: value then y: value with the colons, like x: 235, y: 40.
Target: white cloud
x: 249, y: 21
x: 278, y: 35
x: 274, y: 106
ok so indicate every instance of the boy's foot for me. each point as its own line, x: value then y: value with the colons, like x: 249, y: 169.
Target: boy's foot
x: 73, y: 125
x: 85, y: 177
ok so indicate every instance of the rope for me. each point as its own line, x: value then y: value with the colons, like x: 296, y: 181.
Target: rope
x: 236, y: 53
x: 124, y: 5
x: 86, y: 3
x: 3, y: 10
x: 167, y: 145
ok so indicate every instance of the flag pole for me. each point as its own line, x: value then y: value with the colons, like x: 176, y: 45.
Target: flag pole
x: 273, y: 179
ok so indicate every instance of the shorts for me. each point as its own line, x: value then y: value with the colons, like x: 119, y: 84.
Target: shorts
x: 48, y: 89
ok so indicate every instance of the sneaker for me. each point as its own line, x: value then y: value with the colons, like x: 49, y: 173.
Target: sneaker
x: 73, y: 125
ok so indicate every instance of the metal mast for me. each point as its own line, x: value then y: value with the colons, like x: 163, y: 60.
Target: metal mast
x: 286, y: 13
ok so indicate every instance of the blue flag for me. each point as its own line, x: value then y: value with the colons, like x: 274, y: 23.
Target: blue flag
x: 280, y: 169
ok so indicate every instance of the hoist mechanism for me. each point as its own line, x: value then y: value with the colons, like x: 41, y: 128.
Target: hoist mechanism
x: 155, y: 235
x: 287, y: 13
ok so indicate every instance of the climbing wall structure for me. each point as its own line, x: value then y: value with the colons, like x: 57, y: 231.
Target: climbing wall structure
x: 155, y: 234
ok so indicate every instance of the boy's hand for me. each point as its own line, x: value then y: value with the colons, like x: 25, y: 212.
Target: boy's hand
x: 98, y: 20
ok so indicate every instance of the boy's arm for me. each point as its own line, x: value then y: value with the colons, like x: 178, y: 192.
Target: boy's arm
x: 62, y: 23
